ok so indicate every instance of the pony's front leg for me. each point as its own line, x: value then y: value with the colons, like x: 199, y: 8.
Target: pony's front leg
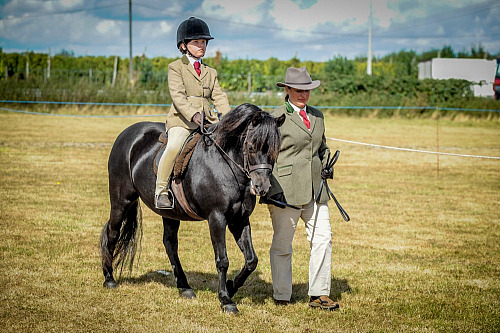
x: 217, y: 225
x: 243, y: 236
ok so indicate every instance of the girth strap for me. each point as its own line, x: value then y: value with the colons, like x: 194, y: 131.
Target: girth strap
x: 181, y: 197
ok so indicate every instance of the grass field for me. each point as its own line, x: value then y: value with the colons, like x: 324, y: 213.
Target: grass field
x: 421, y: 252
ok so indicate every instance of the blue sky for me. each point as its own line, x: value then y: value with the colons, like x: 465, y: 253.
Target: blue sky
x: 315, y: 30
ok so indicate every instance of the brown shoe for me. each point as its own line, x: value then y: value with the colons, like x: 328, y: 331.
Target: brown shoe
x: 281, y: 302
x: 323, y: 302
x: 164, y: 200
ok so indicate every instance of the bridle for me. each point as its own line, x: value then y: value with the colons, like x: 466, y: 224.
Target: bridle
x: 247, y: 168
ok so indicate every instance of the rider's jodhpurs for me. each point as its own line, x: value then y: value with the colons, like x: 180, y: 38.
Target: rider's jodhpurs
x: 176, y: 138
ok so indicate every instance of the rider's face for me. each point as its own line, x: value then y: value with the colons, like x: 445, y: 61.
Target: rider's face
x: 197, y: 47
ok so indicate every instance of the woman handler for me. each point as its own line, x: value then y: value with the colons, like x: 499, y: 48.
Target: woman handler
x: 296, y: 180
x: 192, y: 86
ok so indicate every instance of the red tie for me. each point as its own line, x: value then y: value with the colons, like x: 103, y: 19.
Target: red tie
x: 304, y: 118
x: 197, y: 67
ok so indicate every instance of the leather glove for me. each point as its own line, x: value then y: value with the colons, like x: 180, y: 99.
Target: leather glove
x: 327, y: 173
x: 278, y: 197
x: 197, y: 118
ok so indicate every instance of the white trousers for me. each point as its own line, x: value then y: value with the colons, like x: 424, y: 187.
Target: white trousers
x: 319, y: 235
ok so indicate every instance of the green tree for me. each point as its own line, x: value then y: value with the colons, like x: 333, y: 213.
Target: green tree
x: 340, y: 65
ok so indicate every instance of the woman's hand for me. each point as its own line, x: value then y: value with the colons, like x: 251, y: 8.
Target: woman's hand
x: 327, y: 173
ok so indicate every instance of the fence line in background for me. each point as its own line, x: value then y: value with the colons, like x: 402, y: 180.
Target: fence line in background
x: 412, y: 150
x: 82, y: 103
x: 263, y: 106
x: 84, y: 116
x: 334, y: 139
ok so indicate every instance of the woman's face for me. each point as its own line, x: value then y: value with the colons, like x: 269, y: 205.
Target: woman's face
x: 298, y: 97
x: 197, y: 47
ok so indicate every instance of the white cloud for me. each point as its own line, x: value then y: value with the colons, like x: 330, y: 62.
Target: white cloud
x: 107, y: 27
x: 153, y: 29
x: 71, y: 3
x: 238, y: 11
x: 328, y: 16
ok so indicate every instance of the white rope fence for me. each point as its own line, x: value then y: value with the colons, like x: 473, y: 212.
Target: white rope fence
x: 334, y: 139
x: 413, y: 150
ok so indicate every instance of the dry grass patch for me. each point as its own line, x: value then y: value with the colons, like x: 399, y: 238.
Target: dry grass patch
x: 421, y: 252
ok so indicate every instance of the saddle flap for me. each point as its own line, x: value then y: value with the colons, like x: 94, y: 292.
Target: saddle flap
x: 178, y: 191
x: 180, y: 166
x: 182, y: 159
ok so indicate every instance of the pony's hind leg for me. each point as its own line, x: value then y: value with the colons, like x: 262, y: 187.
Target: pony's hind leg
x: 118, y: 238
x: 171, y: 241
x: 242, y: 235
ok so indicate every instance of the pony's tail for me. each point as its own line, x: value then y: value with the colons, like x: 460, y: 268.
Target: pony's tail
x: 127, y: 244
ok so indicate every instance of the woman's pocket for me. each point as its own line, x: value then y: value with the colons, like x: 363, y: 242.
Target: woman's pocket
x: 285, y: 170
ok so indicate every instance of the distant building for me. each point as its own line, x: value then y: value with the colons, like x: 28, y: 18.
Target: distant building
x: 479, y: 71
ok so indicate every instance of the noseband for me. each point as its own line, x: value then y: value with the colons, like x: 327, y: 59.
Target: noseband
x: 247, y: 169
x: 246, y: 166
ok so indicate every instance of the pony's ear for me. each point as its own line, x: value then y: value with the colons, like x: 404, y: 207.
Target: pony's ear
x: 280, y: 120
x: 257, y: 118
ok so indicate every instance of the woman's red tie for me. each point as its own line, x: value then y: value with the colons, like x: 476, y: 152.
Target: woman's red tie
x: 304, y: 118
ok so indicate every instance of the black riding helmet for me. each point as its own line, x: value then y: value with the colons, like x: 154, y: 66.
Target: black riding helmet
x: 192, y: 28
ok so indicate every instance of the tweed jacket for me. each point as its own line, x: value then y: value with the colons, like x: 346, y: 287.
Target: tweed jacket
x: 303, y: 154
x: 192, y: 93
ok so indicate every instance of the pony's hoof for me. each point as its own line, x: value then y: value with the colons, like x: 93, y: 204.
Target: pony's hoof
x: 110, y: 284
x: 187, y: 293
x: 230, y: 309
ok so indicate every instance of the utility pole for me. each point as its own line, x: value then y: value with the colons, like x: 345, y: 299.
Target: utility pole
x: 27, y: 72
x: 369, y: 61
x: 130, y: 65
x: 48, y: 66
x: 115, y: 67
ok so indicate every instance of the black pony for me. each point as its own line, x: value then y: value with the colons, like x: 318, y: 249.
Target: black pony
x: 220, y: 185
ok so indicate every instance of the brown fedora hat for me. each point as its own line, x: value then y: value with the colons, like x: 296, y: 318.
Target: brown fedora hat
x: 299, y: 78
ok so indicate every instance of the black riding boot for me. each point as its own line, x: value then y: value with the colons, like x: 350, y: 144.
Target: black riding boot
x: 164, y: 200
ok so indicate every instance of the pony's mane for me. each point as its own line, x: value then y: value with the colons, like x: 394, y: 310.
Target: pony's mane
x: 232, y: 128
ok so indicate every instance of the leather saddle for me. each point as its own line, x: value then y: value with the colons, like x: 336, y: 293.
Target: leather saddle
x: 180, y: 166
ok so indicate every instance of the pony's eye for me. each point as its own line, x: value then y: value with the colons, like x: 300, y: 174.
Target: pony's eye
x: 251, y: 149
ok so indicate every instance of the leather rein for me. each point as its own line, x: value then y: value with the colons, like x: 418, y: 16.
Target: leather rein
x: 246, y: 168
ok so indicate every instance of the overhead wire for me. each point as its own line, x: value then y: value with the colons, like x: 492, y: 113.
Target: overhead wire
x: 62, y: 12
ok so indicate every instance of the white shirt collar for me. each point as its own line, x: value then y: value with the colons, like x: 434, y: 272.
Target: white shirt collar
x: 193, y: 60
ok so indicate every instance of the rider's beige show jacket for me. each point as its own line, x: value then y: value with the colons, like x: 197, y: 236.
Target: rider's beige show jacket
x: 192, y: 93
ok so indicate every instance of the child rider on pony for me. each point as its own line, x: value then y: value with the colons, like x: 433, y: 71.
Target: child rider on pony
x: 192, y: 86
